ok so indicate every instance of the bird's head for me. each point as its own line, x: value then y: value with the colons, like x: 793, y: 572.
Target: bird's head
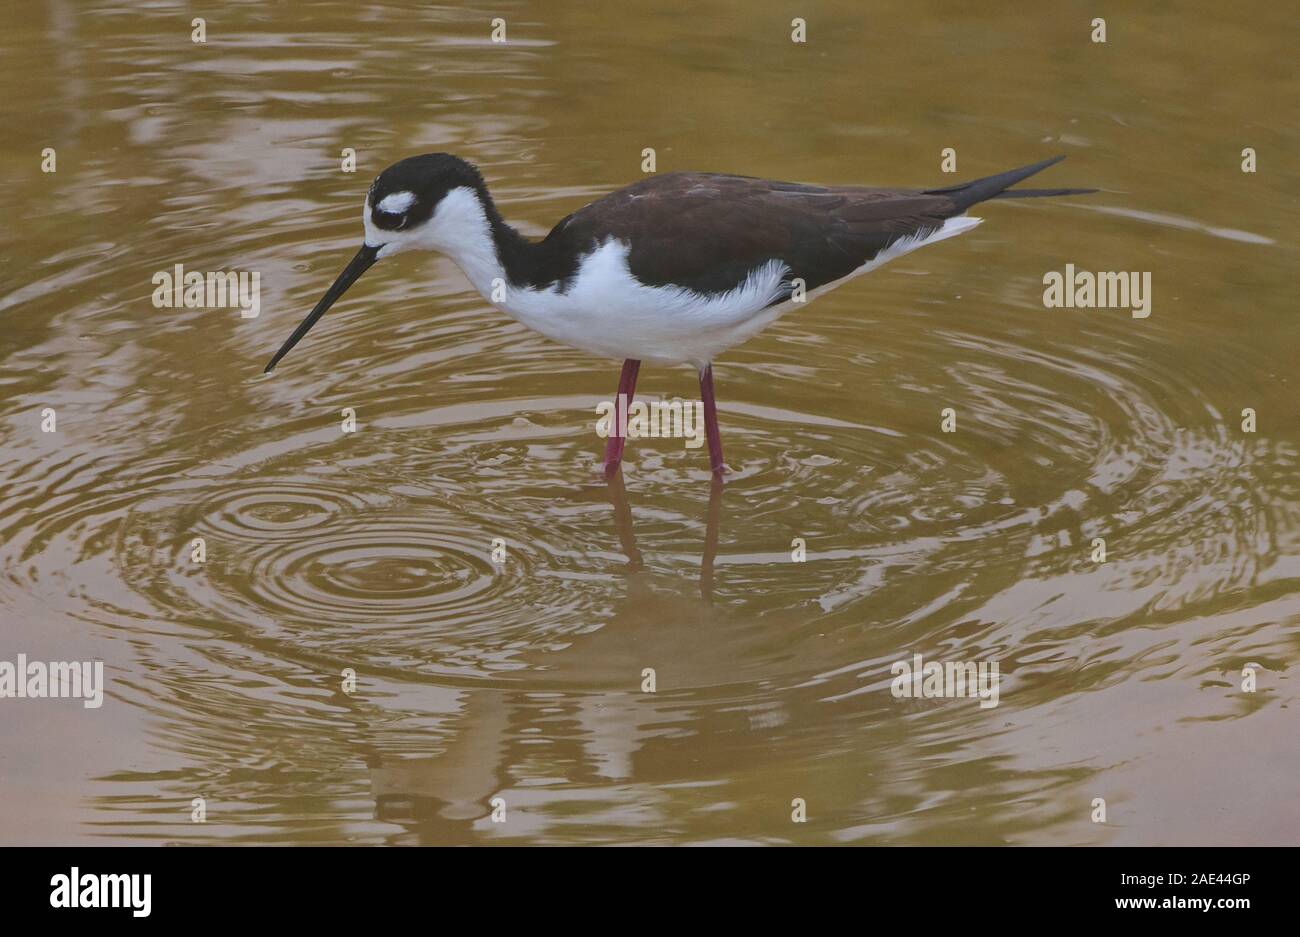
x: 420, y: 203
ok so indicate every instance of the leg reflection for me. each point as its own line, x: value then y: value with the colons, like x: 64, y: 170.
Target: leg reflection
x: 623, y: 520
x: 627, y: 534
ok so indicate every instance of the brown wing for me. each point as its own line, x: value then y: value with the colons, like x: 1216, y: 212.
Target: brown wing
x: 708, y: 231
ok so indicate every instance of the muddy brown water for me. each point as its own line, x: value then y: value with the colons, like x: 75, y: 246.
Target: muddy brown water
x: 370, y: 552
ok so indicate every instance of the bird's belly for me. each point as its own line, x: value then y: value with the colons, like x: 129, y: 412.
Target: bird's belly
x: 655, y: 335
x: 607, y: 311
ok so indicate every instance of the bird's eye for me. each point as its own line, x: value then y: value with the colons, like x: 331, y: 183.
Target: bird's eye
x: 391, y: 220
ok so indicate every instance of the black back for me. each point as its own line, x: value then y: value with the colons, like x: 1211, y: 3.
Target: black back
x: 708, y: 231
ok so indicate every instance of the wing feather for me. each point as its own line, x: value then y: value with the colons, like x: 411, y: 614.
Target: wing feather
x: 708, y: 231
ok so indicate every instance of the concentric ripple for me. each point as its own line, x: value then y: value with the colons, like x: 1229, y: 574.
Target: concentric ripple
x: 284, y: 511
x: 379, y: 581
x: 411, y: 572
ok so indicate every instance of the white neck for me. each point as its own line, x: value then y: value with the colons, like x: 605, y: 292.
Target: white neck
x: 460, y: 229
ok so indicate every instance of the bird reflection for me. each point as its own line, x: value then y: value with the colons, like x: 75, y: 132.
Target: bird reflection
x: 448, y: 797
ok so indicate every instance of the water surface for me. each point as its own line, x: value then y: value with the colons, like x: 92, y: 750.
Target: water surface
x: 371, y: 551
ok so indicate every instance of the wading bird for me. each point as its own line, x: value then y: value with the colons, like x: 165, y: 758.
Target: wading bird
x: 674, y: 269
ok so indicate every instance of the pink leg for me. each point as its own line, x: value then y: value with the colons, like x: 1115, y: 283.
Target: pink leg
x: 614, y: 445
x: 711, y: 421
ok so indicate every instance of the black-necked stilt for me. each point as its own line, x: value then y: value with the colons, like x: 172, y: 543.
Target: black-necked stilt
x: 674, y: 269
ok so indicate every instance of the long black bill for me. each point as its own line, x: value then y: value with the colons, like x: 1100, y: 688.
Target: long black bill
x: 359, y: 264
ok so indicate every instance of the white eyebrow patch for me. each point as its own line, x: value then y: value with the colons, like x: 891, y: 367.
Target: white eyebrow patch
x: 396, y: 203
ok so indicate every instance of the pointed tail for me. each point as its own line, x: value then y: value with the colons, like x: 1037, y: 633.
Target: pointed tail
x: 981, y: 190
